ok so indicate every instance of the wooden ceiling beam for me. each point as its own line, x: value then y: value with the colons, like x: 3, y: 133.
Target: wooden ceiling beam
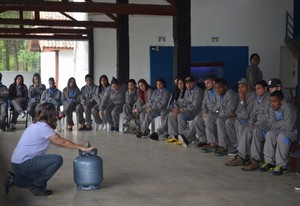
x: 172, y: 2
x: 87, y: 7
x: 45, y: 37
x: 60, y: 23
x: 43, y: 31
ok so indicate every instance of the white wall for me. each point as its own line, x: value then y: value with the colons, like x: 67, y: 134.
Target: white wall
x: 257, y: 24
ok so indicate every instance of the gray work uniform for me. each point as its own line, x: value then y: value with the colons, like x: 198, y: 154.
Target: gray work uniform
x: 227, y: 105
x: 95, y: 110
x: 189, y: 107
x: 259, y: 120
x: 142, y: 105
x: 34, y: 96
x: 112, y: 104
x: 52, y: 96
x: 19, y: 100
x: 279, y: 138
x: 209, y: 106
x: 235, y: 125
x: 70, y: 99
x: 130, y: 100
x: 157, y: 103
x: 87, y: 101
x: 3, y: 103
x: 253, y: 75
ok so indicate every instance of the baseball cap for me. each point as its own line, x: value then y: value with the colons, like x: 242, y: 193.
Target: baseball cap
x: 274, y: 83
x: 189, y: 79
x: 243, y: 81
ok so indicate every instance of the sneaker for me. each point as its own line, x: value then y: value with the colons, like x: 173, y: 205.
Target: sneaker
x: 112, y: 129
x: 9, y: 181
x: 70, y: 127
x: 13, y: 126
x: 172, y: 139
x: 60, y: 115
x: 40, y: 191
x: 178, y: 143
x: 125, y: 128
x: 82, y: 127
x: 183, y: 140
x: 201, y: 144
x: 88, y: 127
x: 153, y: 136
x: 139, y: 134
x: 279, y: 170
x: 104, y: 128
x: 209, y: 149
x: 221, y: 151
x: 266, y: 167
x: 297, y: 188
x: 233, y: 152
x: 296, y: 154
x: 116, y: 129
x: 22, y: 114
x: 254, y: 165
x: 236, y: 161
x: 146, y: 133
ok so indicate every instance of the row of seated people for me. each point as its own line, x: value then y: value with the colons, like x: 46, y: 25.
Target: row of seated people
x: 256, y: 126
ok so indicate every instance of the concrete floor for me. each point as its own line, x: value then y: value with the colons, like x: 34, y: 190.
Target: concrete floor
x: 145, y: 172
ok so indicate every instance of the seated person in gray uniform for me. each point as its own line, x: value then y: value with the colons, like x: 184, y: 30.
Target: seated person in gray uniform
x: 3, y: 104
x: 87, y: 102
x: 279, y: 138
x: 112, y: 104
x: 227, y: 102
x: 34, y: 94
x: 103, y: 85
x: 18, y: 95
x: 276, y: 85
x: 52, y: 95
x: 130, y: 100
x: 157, y: 103
x: 258, y: 122
x: 144, y: 94
x: 177, y: 98
x: 235, y: 125
x: 70, y: 99
x: 185, y: 111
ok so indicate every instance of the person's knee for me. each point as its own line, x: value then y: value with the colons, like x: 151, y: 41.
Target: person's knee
x: 58, y: 160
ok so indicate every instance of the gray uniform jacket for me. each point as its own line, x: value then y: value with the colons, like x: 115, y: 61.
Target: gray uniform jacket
x: 100, y: 95
x: 209, y: 103
x: 140, y: 104
x: 192, y: 100
x: 261, y: 110
x: 51, y: 98
x: 159, y: 100
x: 67, y: 98
x: 244, y: 108
x: 35, y: 93
x: 227, y: 104
x: 115, y: 97
x: 3, y: 94
x: 88, y: 94
x: 284, y: 119
x: 253, y: 75
x: 130, y: 99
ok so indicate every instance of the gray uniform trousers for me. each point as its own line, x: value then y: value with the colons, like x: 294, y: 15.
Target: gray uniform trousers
x: 3, y: 112
x: 257, y: 144
x: 211, y: 127
x: 31, y: 108
x: 112, y: 113
x: 226, y: 132
x: 177, y: 125
x: 88, y: 113
x: 197, y: 127
x: 68, y: 108
x: 18, y: 107
x: 239, y: 128
x: 163, y: 129
x: 146, y: 118
x: 127, y: 111
x: 279, y: 141
x: 244, y: 146
x: 97, y: 118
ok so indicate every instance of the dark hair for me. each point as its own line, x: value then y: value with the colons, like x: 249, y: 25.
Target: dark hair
x: 22, y: 79
x: 262, y: 83
x: 177, y: 90
x: 70, y: 79
x: 221, y: 81
x: 100, y: 85
x: 253, y: 55
x: 277, y: 94
x: 47, y: 113
x: 88, y: 76
x: 38, y: 76
x: 114, y: 81
x: 143, y: 94
x: 210, y: 77
x: 162, y: 81
x: 132, y: 81
x: 51, y: 79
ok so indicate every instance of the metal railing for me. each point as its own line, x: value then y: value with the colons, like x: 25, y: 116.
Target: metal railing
x: 291, y: 32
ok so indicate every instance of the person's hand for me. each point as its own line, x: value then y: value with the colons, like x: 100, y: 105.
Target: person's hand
x: 149, y: 109
x: 205, y: 115
x: 85, y: 146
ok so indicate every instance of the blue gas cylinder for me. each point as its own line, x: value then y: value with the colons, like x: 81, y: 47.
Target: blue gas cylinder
x: 88, y: 170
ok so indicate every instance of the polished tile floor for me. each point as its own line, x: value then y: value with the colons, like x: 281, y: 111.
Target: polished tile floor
x: 144, y: 172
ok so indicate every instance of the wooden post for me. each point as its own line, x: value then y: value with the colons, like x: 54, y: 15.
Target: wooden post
x: 122, y: 46
x: 91, y: 58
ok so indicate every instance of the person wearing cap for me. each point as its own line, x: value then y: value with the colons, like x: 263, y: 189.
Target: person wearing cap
x: 3, y: 104
x: 18, y: 95
x: 258, y: 124
x: 185, y: 111
x: 227, y: 101
x: 253, y: 72
x: 276, y: 85
x: 157, y: 103
x: 235, y: 125
x: 280, y: 137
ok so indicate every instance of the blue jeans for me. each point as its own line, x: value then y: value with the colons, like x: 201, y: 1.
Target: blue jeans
x: 36, y: 171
